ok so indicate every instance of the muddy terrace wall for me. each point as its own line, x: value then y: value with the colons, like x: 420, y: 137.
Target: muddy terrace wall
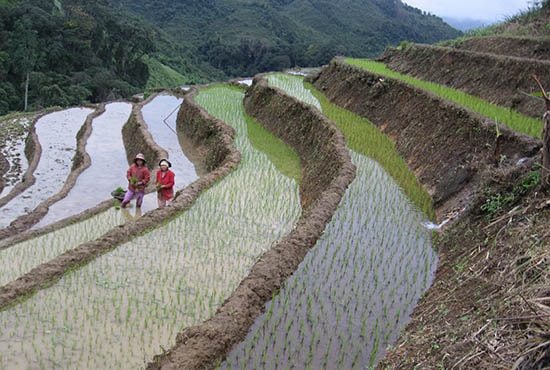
x: 510, y: 46
x: 48, y: 273
x: 446, y: 145
x: 195, y: 123
x: 501, y: 79
x: 294, y: 122
x: 313, y: 136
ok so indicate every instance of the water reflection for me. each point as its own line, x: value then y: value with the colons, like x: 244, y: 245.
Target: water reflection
x: 57, y: 136
x: 106, y: 150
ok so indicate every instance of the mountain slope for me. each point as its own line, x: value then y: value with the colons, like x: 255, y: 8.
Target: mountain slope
x: 243, y: 37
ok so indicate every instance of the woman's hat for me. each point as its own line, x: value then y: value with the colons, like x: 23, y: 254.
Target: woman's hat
x: 139, y: 156
x: 165, y: 162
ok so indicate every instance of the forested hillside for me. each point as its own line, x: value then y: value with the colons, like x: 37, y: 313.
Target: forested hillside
x: 69, y: 52
x: 244, y: 37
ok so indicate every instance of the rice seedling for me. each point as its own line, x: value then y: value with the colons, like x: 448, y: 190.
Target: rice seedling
x: 361, y: 135
x: 105, y: 147
x: 127, y: 305
x: 375, y: 227
x: 506, y: 116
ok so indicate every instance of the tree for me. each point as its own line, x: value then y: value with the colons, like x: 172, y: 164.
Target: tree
x: 24, y: 50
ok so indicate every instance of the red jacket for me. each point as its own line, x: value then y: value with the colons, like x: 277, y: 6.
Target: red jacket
x: 141, y: 176
x: 167, y: 192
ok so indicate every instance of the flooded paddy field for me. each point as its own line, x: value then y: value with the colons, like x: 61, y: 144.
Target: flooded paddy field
x: 56, y: 133
x: 124, y: 307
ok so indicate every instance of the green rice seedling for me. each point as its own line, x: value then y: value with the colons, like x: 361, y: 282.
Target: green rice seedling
x: 361, y: 136
x: 506, y: 116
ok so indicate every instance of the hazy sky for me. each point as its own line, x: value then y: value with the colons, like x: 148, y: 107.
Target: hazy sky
x: 487, y: 10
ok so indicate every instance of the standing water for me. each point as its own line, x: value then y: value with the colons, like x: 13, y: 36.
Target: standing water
x: 57, y: 136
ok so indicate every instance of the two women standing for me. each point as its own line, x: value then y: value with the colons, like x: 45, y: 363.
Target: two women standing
x: 138, y: 177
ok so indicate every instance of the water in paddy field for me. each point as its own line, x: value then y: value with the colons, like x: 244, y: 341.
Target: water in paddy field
x: 160, y: 116
x: 57, y: 136
x: 14, y: 153
x: 109, y: 163
x: 354, y: 292
x: 106, y: 150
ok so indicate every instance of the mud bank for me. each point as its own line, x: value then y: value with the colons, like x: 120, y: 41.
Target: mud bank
x: 533, y: 48
x: 313, y: 137
x: 48, y: 273
x: 450, y: 149
x: 501, y: 79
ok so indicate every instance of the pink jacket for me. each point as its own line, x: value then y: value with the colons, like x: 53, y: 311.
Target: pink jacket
x: 142, y: 176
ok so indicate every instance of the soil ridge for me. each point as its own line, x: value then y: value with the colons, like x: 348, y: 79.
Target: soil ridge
x: 522, y: 47
x: 449, y: 148
x: 485, y: 308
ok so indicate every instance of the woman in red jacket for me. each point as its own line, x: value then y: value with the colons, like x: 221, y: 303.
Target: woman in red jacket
x: 138, y: 177
x: 165, y: 183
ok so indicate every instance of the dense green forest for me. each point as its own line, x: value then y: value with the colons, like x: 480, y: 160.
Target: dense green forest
x: 69, y: 52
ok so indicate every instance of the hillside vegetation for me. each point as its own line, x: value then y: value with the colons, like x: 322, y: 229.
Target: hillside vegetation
x: 70, y: 52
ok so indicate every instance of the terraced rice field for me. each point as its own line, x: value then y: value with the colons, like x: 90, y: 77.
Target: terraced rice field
x: 124, y: 307
x: 348, y: 300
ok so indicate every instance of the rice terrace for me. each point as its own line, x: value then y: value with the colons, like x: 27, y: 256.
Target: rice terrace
x: 364, y: 214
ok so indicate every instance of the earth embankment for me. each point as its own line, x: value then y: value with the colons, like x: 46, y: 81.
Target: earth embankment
x: 484, y: 308
x: 502, y: 79
x: 521, y: 47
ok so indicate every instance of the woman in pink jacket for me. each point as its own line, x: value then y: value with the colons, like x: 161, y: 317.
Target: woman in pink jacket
x: 165, y: 183
x: 138, y: 177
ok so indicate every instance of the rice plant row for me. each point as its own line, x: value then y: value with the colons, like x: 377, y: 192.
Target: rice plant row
x: 105, y: 147
x: 355, y: 290
x: 126, y: 306
x: 502, y: 115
